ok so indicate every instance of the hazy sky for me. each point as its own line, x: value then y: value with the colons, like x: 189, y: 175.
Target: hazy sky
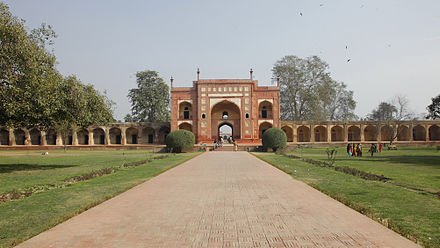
x: 394, y: 46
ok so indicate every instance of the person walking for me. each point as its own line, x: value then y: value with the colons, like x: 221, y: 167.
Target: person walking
x: 348, y: 150
x: 380, y: 147
x: 372, y: 149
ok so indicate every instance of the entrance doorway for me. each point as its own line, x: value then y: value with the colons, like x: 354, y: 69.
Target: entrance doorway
x: 225, y: 116
x: 225, y: 130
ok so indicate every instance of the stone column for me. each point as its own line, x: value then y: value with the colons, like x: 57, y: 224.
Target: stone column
x: 427, y: 132
x: 312, y: 133
x: 123, y: 136
x: 411, y: 132
x: 27, y: 137
x: 107, y: 135
x: 91, y: 139
x: 329, y: 133
x: 43, y: 138
x: 156, y: 137
x: 74, y: 138
x: 345, y: 132
x: 59, y: 141
x: 11, y: 137
x: 294, y: 133
x: 361, y: 131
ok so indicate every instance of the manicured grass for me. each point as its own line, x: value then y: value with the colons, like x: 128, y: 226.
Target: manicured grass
x: 22, y: 169
x: 411, y: 166
x: 24, y: 218
x: 411, y: 213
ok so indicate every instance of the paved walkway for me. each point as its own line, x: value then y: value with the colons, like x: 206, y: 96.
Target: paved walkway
x: 220, y: 199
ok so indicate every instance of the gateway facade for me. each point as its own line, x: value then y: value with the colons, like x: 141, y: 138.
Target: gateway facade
x: 248, y: 109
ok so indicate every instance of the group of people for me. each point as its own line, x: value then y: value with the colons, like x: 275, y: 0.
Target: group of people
x: 375, y: 148
x: 354, y: 150
x: 223, y: 139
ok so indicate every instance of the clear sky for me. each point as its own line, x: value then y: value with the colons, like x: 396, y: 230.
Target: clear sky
x: 394, y: 45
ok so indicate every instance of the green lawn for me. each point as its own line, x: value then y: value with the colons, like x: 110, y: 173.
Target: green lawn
x: 412, y: 166
x: 21, y: 169
x: 24, y: 218
x: 411, y: 212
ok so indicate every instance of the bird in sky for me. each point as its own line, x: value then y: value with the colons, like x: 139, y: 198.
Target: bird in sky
x: 348, y: 60
x: 300, y: 13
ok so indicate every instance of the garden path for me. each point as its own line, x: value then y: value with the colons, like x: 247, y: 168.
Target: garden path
x: 220, y: 199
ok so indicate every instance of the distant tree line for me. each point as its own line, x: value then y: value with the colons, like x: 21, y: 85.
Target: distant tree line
x: 32, y: 92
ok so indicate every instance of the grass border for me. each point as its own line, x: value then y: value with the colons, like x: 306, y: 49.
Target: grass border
x: 55, y: 222
x: 355, y: 206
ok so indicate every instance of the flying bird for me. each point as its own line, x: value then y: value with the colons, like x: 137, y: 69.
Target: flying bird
x: 300, y: 13
x: 348, y: 60
x: 346, y: 47
x: 321, y: 4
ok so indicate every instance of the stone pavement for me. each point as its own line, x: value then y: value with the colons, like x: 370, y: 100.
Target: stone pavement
x: 220, y: 199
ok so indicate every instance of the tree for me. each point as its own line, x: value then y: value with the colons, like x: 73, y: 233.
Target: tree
x: 309, y: 93
x: 392, y: 114
x: 28, y: 78
x: 151, y: 99
x: 33, y: 92
x: 80, y: 105
x: 434, y: 109
x: 384, y: 112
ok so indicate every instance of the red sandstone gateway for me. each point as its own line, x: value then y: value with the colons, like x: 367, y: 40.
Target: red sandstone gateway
x: 241, y: 104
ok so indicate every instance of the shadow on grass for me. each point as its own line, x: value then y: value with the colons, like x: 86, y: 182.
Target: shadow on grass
x: 7, y: 168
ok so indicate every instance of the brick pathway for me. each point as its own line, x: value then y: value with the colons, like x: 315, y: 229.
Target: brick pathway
x: 220, y: 199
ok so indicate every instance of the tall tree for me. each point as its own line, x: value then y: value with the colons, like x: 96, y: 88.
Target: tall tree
x: 309, y: 93
x: 151, y: 99
x: 434, y: 109
x: 28, y: 78
x: 384, y: 112
x: 32, y: 91
x: 392, y: 113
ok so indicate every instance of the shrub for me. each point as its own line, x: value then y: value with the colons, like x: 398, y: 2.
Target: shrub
x: 274, y: 138
x: 179, y: 139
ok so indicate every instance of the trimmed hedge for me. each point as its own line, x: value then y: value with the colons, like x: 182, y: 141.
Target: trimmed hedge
x: 179, y: 139
x: 274, y: 138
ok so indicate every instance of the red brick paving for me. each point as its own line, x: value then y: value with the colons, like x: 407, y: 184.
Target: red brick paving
x: 220, y: 199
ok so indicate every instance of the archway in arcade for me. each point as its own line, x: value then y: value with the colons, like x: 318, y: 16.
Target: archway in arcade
x: 303, y: 134
x: 320, y: 134
x: 98, y: 136
x: 403, y: 133
x: 289, y: 133
x: 19, y: 137
x: 434, y: 132
x: 337, y: 133
x: 115, y: 136
x: 83, y: 137
x: 148, y: 134
x: 263, y: 127
x: 51, y: 137
x: 419, y: 133
x: 35, y: 136
x: 386, y: 133
x: 354, y: 133
x: 132, y: 135
x: 225, y: 112
x: 225, y: 130
x: 163, y: 133
x: 370, y: 133
x: 4, y: 137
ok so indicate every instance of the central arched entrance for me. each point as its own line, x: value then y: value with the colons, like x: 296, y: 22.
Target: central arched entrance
x: 225, y: 114
x: 225, y: 130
